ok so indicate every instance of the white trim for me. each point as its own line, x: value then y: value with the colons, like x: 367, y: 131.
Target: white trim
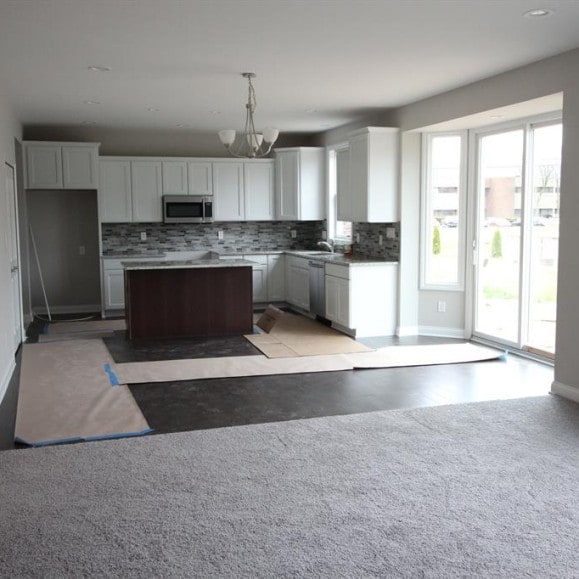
x: 402, y: 331
x: 6, y: 379
x: 569, y: 392
x: 442, y: 332
x: 425, y: 211
x: 82, y: 309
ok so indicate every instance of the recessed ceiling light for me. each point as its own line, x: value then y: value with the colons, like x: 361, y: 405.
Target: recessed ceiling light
x: 92, y: 102
x: 89, y: 122
x: 214, y: 112
x: 311, y: 111
x: 497, y: 116
x: 538, y: 13
x: 153, y: 109
x: 99, y: 68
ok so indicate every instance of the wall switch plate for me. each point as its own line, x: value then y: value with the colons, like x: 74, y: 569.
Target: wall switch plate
x: 390, y: 233
x: 220, y: 235
x: 81, y: 250
x: 441, y: 306
x: 293, y: 233
x: 143, y: 236
x: 380, y: 239
x: 357, y: 238
x: 324, y: 234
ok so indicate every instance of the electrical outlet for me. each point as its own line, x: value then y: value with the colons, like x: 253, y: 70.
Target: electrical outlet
x: 380, y: 239
x: 441, y: 306
x: 81, y: 250
x: 220, y: 235
x: 357, y: 238
x: 390, y: 233
x: 293, y: 233
x: 143, y: 236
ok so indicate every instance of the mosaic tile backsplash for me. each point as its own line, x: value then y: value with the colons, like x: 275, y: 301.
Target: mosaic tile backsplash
x: 240, y: 237
x: 369, y: 245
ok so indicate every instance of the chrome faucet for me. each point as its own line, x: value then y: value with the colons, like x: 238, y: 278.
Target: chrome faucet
x: 327, y: 245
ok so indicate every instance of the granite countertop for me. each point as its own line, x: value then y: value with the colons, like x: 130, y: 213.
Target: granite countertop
x: 187, y: 264
x: 134, y: 255
x: 340, y: 258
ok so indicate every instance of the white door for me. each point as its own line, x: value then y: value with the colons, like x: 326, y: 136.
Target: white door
x: 228, y: 190
x: 516, y: 247
x: 147, y: 191
x: 11, y: 242
x: 259, y: 191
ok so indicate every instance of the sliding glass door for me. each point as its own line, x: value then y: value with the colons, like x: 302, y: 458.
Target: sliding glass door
x: 517, y: 235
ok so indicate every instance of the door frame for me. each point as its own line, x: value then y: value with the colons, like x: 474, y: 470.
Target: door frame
x: 15, y: 233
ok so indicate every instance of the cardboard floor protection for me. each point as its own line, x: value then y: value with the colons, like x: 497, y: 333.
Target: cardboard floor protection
x: 66, y: 395
x: 425, y: 355
x: 238, y: 366
x: 294, y: 335
x: 226, y: 367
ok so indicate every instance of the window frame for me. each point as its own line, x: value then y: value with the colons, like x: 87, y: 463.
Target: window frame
x: 332, y: 212
x: 426, y: 208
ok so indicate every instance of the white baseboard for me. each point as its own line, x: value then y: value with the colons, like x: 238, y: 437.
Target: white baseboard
x: 402, y: 331
x: 569, y: 392
x: 82, y: 309
x: 6, y: 379
x: 442, y: 332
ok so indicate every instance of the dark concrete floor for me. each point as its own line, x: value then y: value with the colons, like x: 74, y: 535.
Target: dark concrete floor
x: 201, y: 404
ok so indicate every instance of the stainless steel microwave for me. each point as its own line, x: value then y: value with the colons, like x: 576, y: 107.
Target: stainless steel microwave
x: 187, y: 209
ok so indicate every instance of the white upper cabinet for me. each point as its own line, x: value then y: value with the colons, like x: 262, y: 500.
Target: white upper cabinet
x: 61, y: 165
x: 175, y: 180
x: 229, y: 202
x: 200, y: 177
x: 187, y: 177
x: 299, y: 184
x: 114, y: 194
x: 258, y: 185
x: 146, y: 186
x: 371, y: 193
x: 344, y: 199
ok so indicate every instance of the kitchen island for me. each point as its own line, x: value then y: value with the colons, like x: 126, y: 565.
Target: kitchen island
x: 199, y: 298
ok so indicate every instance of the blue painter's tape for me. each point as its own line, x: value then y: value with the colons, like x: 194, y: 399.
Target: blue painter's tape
x: 47, y: 442
x: 119, y: 435
x: 503, y: 357
x: 87, y: 439
x: 112, y: 376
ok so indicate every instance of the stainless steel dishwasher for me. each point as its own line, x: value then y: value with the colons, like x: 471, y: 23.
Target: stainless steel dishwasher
x: 317, y: 288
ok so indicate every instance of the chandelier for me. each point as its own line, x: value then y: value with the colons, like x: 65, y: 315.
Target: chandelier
x: 252, y: 144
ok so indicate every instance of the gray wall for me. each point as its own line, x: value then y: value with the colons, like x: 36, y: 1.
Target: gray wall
x: 62, y: 221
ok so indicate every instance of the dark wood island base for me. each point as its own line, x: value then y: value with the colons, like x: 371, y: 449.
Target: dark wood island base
x: 188, y: 302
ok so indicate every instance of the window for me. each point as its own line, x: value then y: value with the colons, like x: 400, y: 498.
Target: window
x: 338, y: 167
x: 443, y: 204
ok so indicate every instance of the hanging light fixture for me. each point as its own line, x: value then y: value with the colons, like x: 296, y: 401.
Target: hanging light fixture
x: 252, y: 144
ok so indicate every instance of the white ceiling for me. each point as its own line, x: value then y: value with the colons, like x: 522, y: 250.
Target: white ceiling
x: 319, y: 63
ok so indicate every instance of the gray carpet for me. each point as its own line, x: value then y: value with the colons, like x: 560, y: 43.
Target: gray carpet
x: 487, y: 490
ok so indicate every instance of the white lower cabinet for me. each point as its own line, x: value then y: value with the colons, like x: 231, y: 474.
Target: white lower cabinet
x: 114, y: 286
x: 298, y: 282
x: 362, y: 299
x: 338, y: 300
x: 113, y: 281
x: 276, y: 278
x: 268, y: 276
x: 259, y: 277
